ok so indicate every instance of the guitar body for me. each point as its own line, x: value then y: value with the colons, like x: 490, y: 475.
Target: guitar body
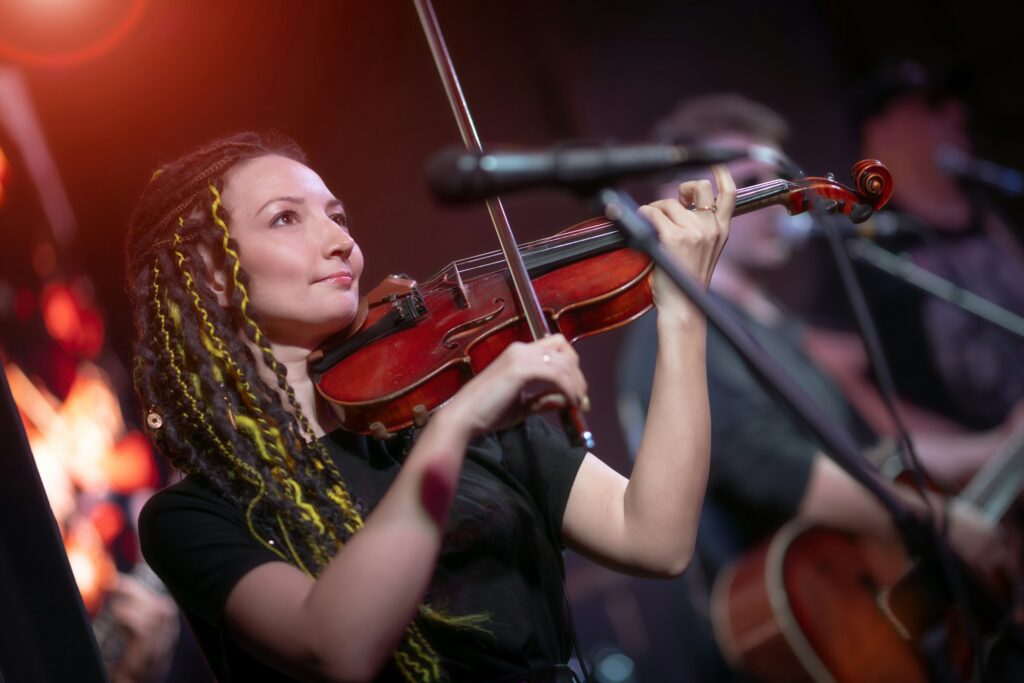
x: 804, y: 607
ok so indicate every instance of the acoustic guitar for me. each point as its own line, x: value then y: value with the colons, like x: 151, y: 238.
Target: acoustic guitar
x: 823, y: 606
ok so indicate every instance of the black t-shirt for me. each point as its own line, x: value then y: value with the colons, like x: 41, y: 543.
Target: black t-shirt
x: 501, y: 553
x: 761, y: 458
x: 941, y: 357
x: 761, y: 454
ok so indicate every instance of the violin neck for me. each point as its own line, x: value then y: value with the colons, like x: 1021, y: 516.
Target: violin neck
x: 547, y: 255
x: 762, y: 195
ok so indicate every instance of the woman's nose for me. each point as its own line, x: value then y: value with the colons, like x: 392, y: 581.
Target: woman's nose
x: 336, y: 239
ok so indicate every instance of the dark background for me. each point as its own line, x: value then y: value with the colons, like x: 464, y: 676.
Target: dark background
x: 354, y: 84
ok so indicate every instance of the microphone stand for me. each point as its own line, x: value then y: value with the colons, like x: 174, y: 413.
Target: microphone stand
x: 941, y: 567
x: 919, y: 533
x: 907, y: 271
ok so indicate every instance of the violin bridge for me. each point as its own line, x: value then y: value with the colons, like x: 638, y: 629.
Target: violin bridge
x: 461, y: 294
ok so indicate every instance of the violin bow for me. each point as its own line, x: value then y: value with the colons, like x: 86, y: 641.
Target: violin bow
x: 572, y: 418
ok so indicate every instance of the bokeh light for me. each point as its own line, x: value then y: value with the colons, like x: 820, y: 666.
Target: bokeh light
x: 64, y: 32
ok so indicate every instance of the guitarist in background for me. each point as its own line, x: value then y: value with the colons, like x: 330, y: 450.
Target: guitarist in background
x: 765, y: 468
x: 946, y: 220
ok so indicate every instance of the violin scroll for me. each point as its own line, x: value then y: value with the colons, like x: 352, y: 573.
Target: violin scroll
x: 873, y: 182
x: 872, y: 189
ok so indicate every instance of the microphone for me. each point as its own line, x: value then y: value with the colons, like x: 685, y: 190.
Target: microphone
x: 958, y: 163
x: 457, y: 176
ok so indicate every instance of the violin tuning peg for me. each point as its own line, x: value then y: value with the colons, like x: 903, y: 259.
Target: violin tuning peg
x: 380, y: 432
x: 860, y: 213
x: 420, y: 415
x: 830, y: 206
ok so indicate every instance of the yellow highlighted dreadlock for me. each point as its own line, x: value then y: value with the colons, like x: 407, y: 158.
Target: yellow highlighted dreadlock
x: 414, y: 656
x: 199, y: 416
x: 343, y: 499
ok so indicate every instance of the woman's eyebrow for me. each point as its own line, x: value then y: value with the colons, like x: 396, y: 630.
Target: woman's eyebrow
x: 337, y: 203
x: 294, y: 200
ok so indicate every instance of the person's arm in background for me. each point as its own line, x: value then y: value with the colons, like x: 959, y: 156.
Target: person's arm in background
x: 950, y: 452
x: 148, y: 629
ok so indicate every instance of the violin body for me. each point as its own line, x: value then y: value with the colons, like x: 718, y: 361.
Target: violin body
x: 419, y: 343
x: 458, y: 325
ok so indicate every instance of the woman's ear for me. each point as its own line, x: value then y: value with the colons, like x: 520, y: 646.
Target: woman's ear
x: 215, y: 274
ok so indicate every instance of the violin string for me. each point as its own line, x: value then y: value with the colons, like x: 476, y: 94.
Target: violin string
x: 566, y: 246
x: 560, y: 241
x: 568, y: 240
x: 557, y: 238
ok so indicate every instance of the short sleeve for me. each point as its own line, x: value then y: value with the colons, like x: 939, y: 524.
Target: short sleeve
x: 545, y: 462
x: 199, y: 546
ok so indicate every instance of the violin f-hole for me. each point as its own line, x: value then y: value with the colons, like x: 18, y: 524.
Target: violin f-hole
x: 449, y: 339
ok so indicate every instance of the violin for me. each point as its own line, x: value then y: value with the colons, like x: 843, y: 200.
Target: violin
x: 413, y: 345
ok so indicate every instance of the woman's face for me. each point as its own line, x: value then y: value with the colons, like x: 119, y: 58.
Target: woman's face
x: 294, y: 242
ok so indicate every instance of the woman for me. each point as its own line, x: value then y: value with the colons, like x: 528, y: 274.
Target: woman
x: 301, y: 552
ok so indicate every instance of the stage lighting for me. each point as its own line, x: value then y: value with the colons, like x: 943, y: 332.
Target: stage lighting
x: 64, y: 32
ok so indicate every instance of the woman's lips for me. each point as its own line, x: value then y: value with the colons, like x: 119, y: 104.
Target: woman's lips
x: 339, y: 278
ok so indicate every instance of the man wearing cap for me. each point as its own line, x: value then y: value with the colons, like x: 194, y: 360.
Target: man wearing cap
x: 944, y: 360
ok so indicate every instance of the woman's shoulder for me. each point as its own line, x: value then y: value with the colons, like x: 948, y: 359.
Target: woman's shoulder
x: 199, y: 544
x: 183, y: 502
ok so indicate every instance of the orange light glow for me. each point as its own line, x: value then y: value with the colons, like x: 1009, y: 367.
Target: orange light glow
x: 83, y: 453
x: 5, y: 172
x: 53, y: 13
x: 94, y: 571
x: 108, y: 520
x: 71, y: 321
x: 129, y: 466
x: 60, y: 313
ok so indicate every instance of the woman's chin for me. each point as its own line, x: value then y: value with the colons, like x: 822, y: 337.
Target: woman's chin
x: 308, y: 334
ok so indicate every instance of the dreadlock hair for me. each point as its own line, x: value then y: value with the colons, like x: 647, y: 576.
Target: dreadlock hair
x: 196, y: 370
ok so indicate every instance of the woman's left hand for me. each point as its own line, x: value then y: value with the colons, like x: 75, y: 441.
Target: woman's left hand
x: 524, y: 379
x: 693, y: 228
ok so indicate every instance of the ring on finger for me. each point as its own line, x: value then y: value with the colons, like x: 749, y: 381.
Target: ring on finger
x: 694, y: 207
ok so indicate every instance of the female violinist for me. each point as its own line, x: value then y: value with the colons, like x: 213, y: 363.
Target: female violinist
x: 301, y: 552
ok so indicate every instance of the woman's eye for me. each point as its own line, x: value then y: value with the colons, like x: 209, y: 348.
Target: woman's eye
x: 341, y: 219
x: 284, y: 218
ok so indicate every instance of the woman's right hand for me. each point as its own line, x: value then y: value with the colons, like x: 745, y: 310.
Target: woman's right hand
x: 525, y: 378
